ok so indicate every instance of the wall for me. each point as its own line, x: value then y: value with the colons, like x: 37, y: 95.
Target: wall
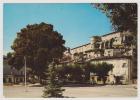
x: 122, y: 67
x: 81, y: 49
x: 109, y: 37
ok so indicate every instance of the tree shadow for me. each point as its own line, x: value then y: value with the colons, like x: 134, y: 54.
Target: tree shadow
x: 84, y: 85
x: 68, y: 97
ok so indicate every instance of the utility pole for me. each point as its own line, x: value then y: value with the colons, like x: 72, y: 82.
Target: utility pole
x: 25, y: 74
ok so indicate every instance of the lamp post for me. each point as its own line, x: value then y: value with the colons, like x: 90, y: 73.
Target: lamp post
x: 25, y: 74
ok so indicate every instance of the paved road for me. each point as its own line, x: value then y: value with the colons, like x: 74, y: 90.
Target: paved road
x: 74, y: 92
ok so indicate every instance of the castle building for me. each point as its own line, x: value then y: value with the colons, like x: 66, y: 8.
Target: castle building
x: 114, y: 48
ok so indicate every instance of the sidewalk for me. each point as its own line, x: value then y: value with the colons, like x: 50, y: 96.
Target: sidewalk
x: 18, y: 91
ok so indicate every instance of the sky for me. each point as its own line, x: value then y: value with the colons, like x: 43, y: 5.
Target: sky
x: 76, y: 22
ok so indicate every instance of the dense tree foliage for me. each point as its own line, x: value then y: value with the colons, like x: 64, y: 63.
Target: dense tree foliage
x: 9, y: 55
x: 81, y: 72
x: 39, y: 43
x: 72, y: 72
x: 123, y: 16
x: 102, y: 69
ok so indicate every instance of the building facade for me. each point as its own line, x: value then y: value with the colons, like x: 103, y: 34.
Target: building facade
x: 122, y: 67
x: 12, y: 75
x: 114, y: 48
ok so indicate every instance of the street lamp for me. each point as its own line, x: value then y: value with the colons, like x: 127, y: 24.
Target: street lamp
x: 25, y: 73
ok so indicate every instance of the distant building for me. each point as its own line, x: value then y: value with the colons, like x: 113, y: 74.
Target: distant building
x: 11, y: 75
x: 115, y: 48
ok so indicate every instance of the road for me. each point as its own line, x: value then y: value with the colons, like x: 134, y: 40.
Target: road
x: 73, y: 92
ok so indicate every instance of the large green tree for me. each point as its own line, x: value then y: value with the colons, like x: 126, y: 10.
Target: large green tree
x: 123, y: 16
x: 39, y: 43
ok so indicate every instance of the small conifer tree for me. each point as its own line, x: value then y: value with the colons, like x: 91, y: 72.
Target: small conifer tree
x: 54, y: 84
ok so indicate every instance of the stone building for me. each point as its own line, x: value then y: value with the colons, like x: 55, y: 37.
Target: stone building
x: 114, y: 48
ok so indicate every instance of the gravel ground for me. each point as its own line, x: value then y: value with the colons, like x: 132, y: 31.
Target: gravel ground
x: 73, y: 92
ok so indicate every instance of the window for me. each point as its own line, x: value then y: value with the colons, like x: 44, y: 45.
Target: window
x: 4, y: 80
x: 108, y: 51
x: 99, y: 79
x: 89, y: 56
x: 21, y: 79
x: 22, y: 72
x: 124, y: 65
x: 10, y: 80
